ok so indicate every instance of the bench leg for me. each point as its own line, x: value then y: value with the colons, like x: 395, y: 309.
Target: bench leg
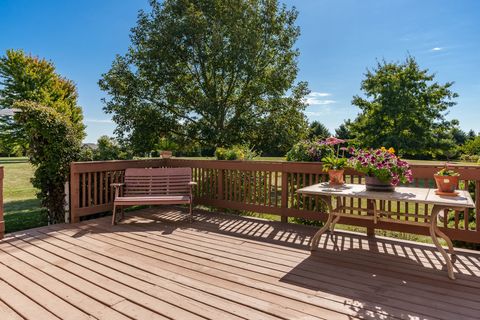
x: 122, y: 213
x: 191, y: 212
x: 114, y: 220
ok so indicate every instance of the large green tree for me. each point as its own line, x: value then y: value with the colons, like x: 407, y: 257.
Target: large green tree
x: 344, y: 130
x: 48, y: 120
x: 24, y: 77
x: 405, y: 108
x: 318, y: 130
x: 214, y: 72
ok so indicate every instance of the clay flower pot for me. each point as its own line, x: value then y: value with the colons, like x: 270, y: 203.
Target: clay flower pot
x: 372, y: 183
x: 336, y: 177
x: 166, y: 154
x: 446, y: 184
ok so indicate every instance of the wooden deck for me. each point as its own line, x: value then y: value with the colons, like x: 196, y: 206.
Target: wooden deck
x: 156, y: 265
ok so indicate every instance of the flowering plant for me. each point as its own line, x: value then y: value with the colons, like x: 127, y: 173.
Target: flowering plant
x: 334, y: 161
x: 447, y: 171
x: 310, y: 151
x: 382, y: 164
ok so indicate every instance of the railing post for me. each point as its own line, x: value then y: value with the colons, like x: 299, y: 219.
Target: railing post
x: 284, y: 203
x: 477, y: 205
x: 2, y: 222
x: 220, y: 184
x: 370, y: 207
x: 74, y: 194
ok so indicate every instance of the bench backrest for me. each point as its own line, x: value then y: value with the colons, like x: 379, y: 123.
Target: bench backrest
x: 157, y: 181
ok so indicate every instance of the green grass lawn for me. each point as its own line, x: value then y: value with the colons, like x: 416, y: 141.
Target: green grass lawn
x: 22, y: 208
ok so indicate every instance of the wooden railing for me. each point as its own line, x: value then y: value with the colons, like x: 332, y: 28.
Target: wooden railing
x: 2, y: 222
x: 270, y: 187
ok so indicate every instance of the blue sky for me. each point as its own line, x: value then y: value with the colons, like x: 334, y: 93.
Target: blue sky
x: 339, y: 40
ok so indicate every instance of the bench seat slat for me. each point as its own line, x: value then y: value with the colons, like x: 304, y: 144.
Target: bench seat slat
x: 152, y: 200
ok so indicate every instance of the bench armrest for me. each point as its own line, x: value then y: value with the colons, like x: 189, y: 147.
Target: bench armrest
x: 118, y: 188
x: 117, y: 185
x: 192, y: 183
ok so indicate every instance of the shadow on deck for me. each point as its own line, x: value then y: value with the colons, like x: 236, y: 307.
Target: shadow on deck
x: 157, y: 265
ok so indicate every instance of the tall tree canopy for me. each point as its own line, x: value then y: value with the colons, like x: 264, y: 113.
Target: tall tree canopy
x: 404, y: 108
x: 215, y: 72
x: 25, y: 77
x: 318, y: 130
x: 343, y: 131
x: 49, y: 121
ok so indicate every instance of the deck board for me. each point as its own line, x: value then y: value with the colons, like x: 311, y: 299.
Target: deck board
x: 156, y: 265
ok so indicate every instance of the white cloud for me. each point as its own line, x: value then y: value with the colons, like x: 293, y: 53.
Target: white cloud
x: 319, y: 94
x: 99, y: 120
x: 319, y: 101
x: 315, y: 98
x: 8, y: 112
x: 436, y: 49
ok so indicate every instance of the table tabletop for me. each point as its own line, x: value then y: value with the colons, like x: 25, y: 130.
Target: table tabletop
x: 408, y: 194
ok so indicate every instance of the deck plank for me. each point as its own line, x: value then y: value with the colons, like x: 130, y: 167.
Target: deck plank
x: 165, y: 282
x: 156, y: 265
x: 105, y: 285
x: 22, y: 304
x: 263, y: 301
x: 125, y: 285
x: 226, y: 263
x: 8, y: 313
x: 395, y: 302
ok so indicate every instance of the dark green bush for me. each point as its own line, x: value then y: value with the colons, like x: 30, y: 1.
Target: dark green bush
x: 54, y: 142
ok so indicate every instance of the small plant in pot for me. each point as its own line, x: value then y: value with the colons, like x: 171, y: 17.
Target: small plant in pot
x: 382, y: 168
x: 334, y: 163
x: 447, y: 181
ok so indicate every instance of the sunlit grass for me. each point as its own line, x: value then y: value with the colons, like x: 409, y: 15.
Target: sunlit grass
x: 21, y: 207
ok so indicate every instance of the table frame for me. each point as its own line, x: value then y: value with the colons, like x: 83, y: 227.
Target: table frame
x: 334, y: 215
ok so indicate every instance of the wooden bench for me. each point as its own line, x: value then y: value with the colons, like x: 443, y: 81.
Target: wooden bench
x: 154, y: 186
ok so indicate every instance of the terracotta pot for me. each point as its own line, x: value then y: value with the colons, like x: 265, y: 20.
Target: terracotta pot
x: 375, y: 184
x: 166, y: 154
x: 336, y: 177
x: 447, y: 184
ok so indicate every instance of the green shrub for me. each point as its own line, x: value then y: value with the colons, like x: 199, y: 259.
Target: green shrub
x: 237, y: 152
x: 472, y: 147
x: 470, y: 157
x: 110, y: 149
x: 54, y: 142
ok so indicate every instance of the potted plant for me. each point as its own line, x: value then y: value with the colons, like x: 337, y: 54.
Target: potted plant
x: 382, y: 168
x: 446, y: 180
x: 165, y: 154
x: 334, y: 163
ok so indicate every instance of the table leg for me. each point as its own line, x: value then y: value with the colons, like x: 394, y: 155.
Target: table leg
x: 316, y: 238
x: 433, y: 233
x: 440, y: 233
x: 334, y: 222
x: 337, y: 217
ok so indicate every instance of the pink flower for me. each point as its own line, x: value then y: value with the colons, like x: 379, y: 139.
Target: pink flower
x: 333, y: 141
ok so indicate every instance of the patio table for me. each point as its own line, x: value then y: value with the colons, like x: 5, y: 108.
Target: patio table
x: 327, y: 193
